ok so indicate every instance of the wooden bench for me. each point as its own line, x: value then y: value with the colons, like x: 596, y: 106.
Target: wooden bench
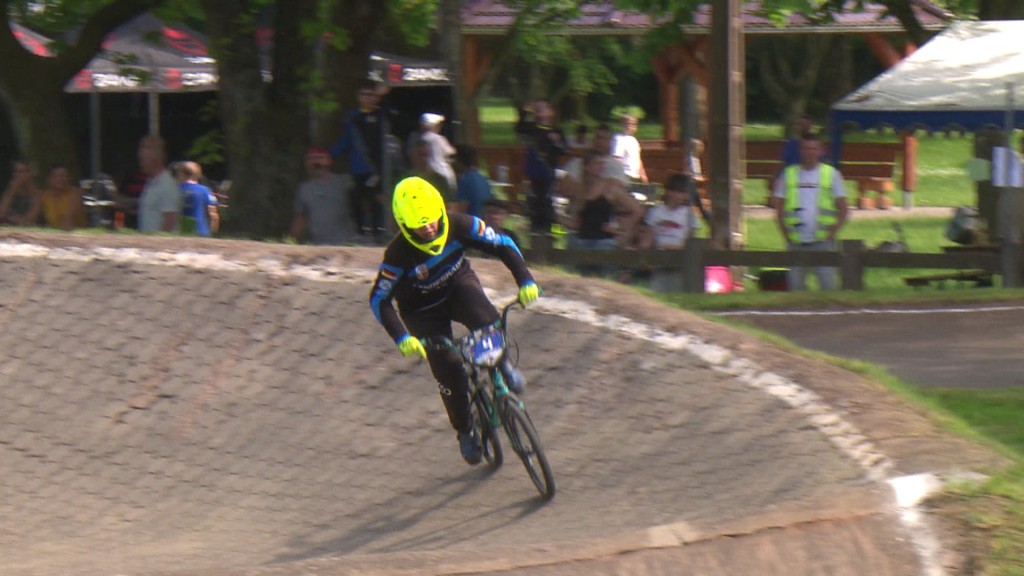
x: 870, y: 164
x: 981, y: 278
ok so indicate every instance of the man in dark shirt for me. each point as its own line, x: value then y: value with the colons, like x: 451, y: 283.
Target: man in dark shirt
x: 361, y: 142
x: 545, y: 148
x: 426, y: 273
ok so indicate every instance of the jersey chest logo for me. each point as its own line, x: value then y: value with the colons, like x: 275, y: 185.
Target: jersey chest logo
x: 421, y: 272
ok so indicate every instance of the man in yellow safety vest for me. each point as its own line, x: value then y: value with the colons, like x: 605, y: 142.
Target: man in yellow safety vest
x: 810, y: 206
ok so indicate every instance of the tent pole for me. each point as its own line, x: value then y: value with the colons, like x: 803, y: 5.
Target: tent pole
x: 154, y: 113
x: 1009, y: 226
x: 94, y: 134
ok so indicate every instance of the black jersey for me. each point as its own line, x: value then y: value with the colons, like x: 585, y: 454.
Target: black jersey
x: 416, y: 280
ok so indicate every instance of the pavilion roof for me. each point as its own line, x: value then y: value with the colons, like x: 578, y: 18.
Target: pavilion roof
x: 492, y: 17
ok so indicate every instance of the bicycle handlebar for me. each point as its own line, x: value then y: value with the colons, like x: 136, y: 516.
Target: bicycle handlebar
x: 443, y: 343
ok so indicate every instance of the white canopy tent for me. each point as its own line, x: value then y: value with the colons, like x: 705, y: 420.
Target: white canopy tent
x: 963, y: 78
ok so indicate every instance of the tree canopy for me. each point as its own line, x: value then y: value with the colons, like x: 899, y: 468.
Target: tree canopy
x: 320, y: 51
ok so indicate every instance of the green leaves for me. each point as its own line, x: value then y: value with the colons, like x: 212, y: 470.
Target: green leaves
x: 416, y: 19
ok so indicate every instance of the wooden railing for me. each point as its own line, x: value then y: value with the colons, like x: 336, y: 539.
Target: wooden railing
x: 852, y: 259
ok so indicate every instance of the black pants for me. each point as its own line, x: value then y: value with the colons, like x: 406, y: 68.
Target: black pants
x: 468, y: 305
x: 542, y: 212
x: 366, y: 204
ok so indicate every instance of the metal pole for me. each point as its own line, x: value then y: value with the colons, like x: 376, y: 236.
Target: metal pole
x: 95, y: 138
x: 154, y: 113
x: 1009, y: 226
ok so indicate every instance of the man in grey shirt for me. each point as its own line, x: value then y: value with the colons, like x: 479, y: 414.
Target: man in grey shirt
x: 321, y: 211
x: 161, y: 199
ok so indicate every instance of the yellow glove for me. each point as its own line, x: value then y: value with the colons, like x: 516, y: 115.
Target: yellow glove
x: 528, y: 292
x: 411, y: 347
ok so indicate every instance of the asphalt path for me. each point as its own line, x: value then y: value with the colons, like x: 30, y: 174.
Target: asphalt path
x: 963, y: 347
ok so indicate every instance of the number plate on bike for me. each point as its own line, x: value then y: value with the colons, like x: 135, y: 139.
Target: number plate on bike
x: 487, y: 347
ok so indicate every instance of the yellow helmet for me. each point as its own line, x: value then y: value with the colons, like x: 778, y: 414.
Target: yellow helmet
x: 415, y: 204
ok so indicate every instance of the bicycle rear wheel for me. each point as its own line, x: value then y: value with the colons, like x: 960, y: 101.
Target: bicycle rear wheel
x: 489, y: 439
x: 525, y: 442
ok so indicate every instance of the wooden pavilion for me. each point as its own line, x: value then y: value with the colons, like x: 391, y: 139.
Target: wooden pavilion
x: 483, y: 20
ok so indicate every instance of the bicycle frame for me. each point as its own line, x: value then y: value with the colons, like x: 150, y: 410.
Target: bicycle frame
x: 463, y: 347
x: 482, y: 351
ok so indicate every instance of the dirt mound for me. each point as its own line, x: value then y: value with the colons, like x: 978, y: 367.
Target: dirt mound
x: 215, y: 407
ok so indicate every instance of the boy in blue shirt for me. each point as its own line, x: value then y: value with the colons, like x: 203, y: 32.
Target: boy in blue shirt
x: 474, y: 189
x: 199, y: 208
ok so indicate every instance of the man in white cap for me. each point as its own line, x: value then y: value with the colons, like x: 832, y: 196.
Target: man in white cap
x: 441, y: 149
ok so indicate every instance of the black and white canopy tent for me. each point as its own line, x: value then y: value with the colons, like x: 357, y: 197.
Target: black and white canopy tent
x: 145, y: 55
x: 407, y: 72
x: 416, y: 85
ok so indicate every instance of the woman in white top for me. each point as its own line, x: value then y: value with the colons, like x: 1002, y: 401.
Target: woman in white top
x: 626, y: 148
x: 441, y: 149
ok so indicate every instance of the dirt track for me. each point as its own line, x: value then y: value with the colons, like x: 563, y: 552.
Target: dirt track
x: 173, y: 414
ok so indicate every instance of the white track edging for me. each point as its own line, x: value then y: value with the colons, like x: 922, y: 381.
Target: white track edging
x: 908, y: 491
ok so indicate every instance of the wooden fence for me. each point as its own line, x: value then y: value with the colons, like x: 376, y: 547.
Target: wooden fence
x: 852, y: 259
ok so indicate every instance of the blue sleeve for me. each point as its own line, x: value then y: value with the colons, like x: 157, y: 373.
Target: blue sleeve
x: 482, y: 237
x: 791, y: 152
x: 462, y: 188
x: 481, y: 233
x: 381, y: 300
x: 344, y: 142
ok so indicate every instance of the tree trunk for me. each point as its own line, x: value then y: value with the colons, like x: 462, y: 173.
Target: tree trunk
x: 265, y: 124
x: 344, y: 68
x: 451, y: 48
x: 39, y: 117
x: 32, y: 87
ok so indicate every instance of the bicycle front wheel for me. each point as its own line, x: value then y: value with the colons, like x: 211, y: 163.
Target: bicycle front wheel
x: 525, y: 442
x: 489, y: 439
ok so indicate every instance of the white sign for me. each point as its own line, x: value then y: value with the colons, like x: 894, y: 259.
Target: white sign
x: 1006, y: 168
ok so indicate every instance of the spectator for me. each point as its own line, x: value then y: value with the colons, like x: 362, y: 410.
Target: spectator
x: 62, y: 201
x: 421, y: 166
x: 362, y: 144
x: 495, y: 213
x: 473, y: 189
x: 698, y: 181
x: 626, y: 148
x: 802, y: 126
x: 612, y: 167
x: 580, y: 139
x: 321, y: 210
x: 694, y: 164
x: 571, y: 185
x: 604, y: 216
x: 126, y: 200
x: 441, y: 149
x: 668, y: 226
x: 21, y: 203
x: 160, y: 202
x: 810, y: 206
x: 199, y: 211
x: 545, y: 147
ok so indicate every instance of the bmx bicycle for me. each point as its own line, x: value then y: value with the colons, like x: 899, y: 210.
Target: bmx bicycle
x: 494, y: 405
